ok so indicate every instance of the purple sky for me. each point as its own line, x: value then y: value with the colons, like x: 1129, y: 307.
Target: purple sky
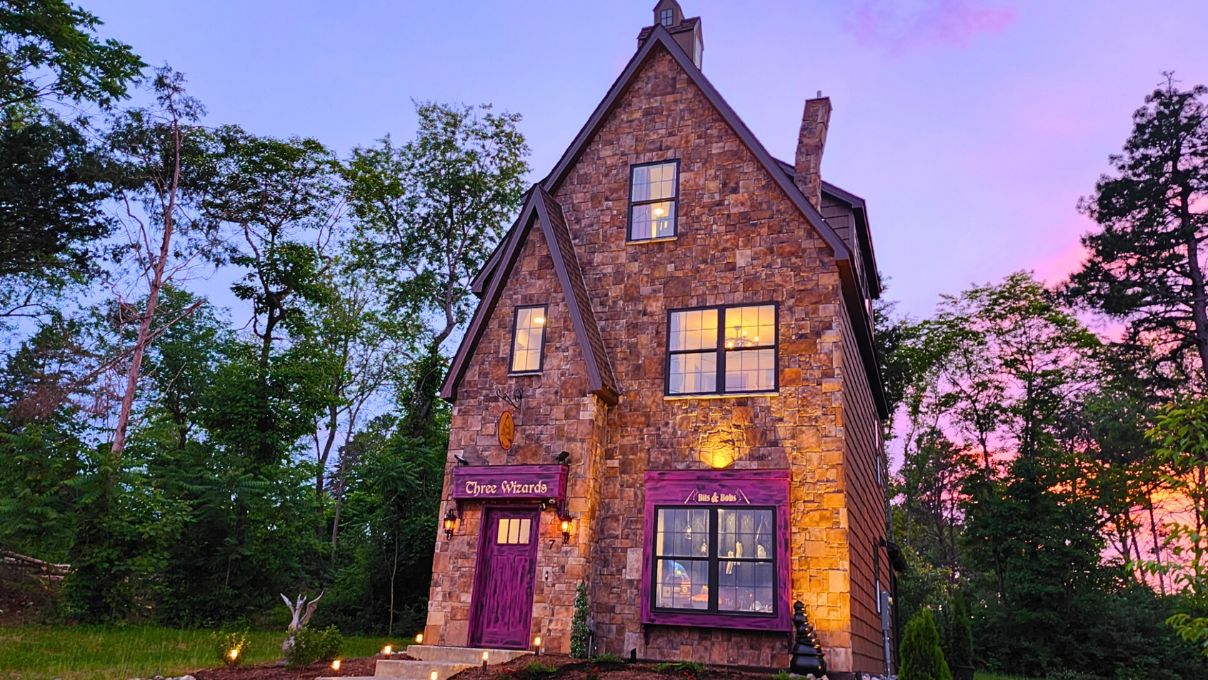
x: 970, y: 126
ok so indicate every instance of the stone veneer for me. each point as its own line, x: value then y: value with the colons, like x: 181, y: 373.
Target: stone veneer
x: 740, y: 241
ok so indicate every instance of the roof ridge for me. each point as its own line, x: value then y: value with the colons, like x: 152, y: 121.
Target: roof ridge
x: 542, y: 208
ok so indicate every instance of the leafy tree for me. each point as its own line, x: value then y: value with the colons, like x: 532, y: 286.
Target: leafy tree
x: 428, y: 212
x: 50, y: 50
x: 1145, y: 264
x: 922, y: 658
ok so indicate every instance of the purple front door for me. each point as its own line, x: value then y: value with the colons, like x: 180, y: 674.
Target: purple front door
x: 502, y: 603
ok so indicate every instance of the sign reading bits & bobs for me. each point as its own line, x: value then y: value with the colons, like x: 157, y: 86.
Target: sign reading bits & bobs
x: 509, y: 482
x: 507, y: 430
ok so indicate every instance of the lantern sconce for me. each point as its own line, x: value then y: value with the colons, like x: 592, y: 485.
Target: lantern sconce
x: 450, y: 523
x: 568, y: 523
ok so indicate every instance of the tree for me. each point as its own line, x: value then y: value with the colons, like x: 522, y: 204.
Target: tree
x: 922, y: 658
x: 428, y: 212
x: 50, y: 50
x: 1145, y: 264
x: 166, y: 159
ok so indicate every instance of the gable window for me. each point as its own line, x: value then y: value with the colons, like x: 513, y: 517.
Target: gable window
x: 666, y: 16
x: 722, y: 350
x: 715, y: 559
x: 528, y: 339
x: 653, y: 193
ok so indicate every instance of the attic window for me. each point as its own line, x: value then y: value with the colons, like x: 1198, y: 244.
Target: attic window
x: 653, y: 190
x: 666, y: 16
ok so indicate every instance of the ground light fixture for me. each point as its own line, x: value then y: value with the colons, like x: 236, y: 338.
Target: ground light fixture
x: 484, y: 660
x: 233, y: 655
x: 450, y: 523
x: 537, y: 644
x: 335, y: 665
x: 387, y: 650
x: 419, y: 638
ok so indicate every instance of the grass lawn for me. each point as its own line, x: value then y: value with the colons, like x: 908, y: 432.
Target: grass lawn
x: 107, y: 653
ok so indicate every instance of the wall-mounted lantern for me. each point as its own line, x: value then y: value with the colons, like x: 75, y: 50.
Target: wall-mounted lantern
x: 568, y: 523
x: 450, y: 523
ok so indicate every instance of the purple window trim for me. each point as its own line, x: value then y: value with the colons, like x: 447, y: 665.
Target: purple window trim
x: 748, y: 487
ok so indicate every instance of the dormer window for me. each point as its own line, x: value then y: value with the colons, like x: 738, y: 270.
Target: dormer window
x: 666, y: 17
x: 653, y: 193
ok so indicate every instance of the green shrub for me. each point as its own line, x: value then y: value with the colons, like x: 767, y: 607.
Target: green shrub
x: 782, y: 675
x: 224, y: 642
x: 539, y: 668
x: 686, y: 669
x: 607, y: 659
x: 311, y: 645
x: 922, y: 658
x: 579, y: 635
x: 959, y: 650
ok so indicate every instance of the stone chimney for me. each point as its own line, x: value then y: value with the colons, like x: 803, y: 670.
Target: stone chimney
x: 810, y: 142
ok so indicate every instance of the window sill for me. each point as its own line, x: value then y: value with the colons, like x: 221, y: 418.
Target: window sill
x: 665, y: 239
x: 521, y: 374
x: 730, y: 395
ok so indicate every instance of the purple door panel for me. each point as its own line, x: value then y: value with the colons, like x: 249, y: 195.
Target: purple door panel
x: 502, y: 602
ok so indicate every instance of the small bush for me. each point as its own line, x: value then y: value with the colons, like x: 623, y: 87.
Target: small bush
x: 606, y: 659
x: 224, y: 642
x: 922, y: 658
x: 782, y: 675
x: 311, y: 645
x: 539, y: 668
x: 579, y: 634
x: 685, y: 669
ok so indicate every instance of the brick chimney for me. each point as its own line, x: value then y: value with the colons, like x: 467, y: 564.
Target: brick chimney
x: 810, y: 142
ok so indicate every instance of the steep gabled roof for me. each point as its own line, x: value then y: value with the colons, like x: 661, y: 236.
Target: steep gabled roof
x: 853, y: 295
x: 540, y: 208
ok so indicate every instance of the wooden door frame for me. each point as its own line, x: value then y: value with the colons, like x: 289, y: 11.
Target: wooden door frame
x: 479, y: 574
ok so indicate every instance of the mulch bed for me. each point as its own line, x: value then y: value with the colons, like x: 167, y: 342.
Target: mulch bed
x: 567, y: 669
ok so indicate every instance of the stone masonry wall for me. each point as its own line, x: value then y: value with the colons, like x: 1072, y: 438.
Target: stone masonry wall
x: 739, y: 241
x: 556, y: 414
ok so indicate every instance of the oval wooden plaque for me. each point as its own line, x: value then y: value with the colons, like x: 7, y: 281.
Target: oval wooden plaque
x: 507, y: 430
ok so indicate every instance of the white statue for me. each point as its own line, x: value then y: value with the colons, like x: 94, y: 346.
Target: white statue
x: 299, y: 619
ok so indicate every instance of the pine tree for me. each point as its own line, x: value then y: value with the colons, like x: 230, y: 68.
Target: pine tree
x: 922, y: 658
x: 959, y: 650
x: 579, y: 633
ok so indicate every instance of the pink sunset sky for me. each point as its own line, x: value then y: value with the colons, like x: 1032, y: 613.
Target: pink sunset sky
x: 971, y: 127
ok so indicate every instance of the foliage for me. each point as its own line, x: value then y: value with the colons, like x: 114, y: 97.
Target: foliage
x: 579, y: 634
x: 782, y: 675
x: 608, y: 659
x: 686, y: 669
x: 921, y: 656
x: 52, y: 36
x: 1144, y: 266
x: 312, y: 644
x: 539, y: 668
x: 231, y: 641
x: 958, y: 633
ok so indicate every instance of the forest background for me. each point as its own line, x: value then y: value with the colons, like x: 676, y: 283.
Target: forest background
x: 190, y: 465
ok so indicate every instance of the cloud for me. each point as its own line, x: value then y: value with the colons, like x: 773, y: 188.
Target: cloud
x: 904, y: 25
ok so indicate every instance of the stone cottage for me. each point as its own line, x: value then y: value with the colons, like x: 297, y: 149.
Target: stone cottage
x: 668, y: 393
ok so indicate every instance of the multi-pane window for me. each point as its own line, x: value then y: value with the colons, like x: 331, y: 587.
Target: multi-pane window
x: 528, y: 339
x: 653, y: 190
x: 715, y: 559
x: 514, y: 531
x: 666, y: 17
x: 734, y: 356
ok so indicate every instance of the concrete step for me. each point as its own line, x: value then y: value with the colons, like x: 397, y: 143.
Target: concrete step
x: 466, y: 655
x: 420, y: 670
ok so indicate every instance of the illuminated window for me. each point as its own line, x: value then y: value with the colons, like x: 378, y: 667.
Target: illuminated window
x: 736, y: 356
x: 715, y: 559
x: 653, y: 193
x: 528, y: 339
x: 513, y: 531
x: 666, y: 17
